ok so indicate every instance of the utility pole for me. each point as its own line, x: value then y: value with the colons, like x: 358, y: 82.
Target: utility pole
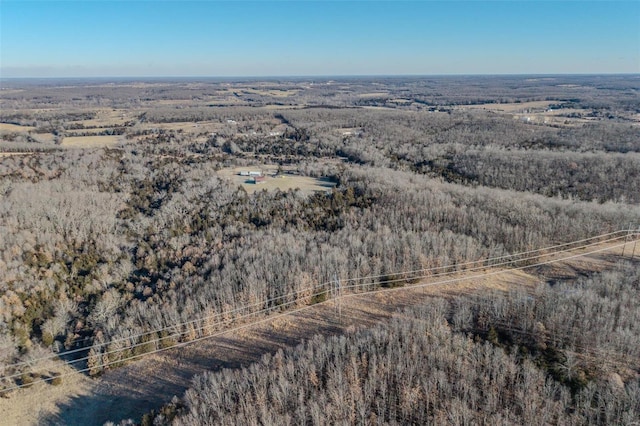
x: 339, y: 299
x: 337, y: 288
x: 626, y: 238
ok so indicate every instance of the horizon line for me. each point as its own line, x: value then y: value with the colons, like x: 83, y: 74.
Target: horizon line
x: 326, y: 76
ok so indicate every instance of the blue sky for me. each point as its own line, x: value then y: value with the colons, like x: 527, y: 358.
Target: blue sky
x: 287, y: 38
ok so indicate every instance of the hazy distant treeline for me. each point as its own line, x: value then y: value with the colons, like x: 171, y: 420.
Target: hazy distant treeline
x: 612, y: 92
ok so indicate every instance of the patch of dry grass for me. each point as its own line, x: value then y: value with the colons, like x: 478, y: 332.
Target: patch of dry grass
x: 186, y: 126
x: 26, y: 406
x: 283, y: 182
x: 272, y: 93
x: 512, y: 107
x: 373, y: 95
x: 14, y: 128
x: 90, y: 141
x: 8, y: 154
x: 106, y: 118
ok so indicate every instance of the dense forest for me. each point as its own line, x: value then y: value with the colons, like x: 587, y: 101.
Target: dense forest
x: 108, y: 252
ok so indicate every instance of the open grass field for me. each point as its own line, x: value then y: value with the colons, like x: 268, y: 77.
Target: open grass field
x: 566, y: 117
x: 185, y: 126
x: 108, y: 118
x: 283, y: 182
x: 44, y: 137
x: 14, y: 128
x: 373, y: 95
x: 90, y: 141
x: 9, y: 154
x: 512, y: 107
x: 537, y: 112
x: 270, y: 92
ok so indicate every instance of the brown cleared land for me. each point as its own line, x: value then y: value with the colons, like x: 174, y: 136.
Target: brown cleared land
x: 108, y: 118
x: 90, y: 141
x: 512, y: 107
x: 9, y: 154
x: 273, y: 180
x: 185, y: 126
x: 14, y: 128
x: 272, y: 93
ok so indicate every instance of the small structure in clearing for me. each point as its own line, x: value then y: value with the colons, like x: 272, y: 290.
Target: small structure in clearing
x: 276, y: 177
x: 249, y: 173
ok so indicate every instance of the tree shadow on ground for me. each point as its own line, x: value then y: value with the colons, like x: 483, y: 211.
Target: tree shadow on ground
x: 135, y: 389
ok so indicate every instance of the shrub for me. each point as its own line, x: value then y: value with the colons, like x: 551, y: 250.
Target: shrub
x: 27, y: 380
x: 56, y: 379
x: 319, y: 297
x: 392, y: 281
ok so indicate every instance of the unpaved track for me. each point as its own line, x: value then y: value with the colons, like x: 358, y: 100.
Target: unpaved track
x: 130, y: 391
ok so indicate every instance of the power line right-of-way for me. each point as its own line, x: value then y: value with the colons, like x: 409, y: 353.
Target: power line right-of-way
x: 346, y: 284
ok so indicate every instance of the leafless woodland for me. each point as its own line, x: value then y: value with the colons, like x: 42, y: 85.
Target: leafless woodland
x: 493, y: 359
x: 112, y: 250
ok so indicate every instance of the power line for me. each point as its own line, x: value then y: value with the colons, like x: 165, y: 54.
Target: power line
x: 331, y: 283
x: 203, y: 327
x: 217, y: 315
x: 338, y: 292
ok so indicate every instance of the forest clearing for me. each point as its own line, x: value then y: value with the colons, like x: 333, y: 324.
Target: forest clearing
x: 135, y: 388
x: 90, y: 141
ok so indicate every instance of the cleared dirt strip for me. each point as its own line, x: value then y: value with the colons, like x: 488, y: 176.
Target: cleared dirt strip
x: 132, y: 390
